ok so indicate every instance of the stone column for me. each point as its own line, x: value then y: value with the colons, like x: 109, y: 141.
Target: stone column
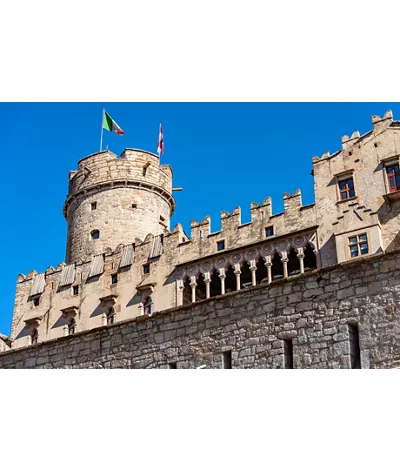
x: 141, y: 308
x: 253, y: 269
x: 193, y: 285
x: 284, y: 262
x: 103, y: 319
x: 300, y: 255
x: 222, y: 276
x: 179, y: 292
x: 237, y: 273
x: 65, y: 328
x: 268, y: 264
x: 207, y: 281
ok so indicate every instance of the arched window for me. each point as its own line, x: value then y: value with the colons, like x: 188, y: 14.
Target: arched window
x: 110, y: 316
x: 71, y: 326
x: 262, y: 271
x: 148, y: 306
x: 293, y: 262
x: 187, y: 292
x: 34, y: 336
x: 277, y: 266
x: 245, y: 275
x: 95, y: 234
x: 230, y: 280
x: 215, y: 284
x: 310, y: 260
x: 200, y: 288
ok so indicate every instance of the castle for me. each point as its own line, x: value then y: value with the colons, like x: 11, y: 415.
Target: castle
x: 313, y: 286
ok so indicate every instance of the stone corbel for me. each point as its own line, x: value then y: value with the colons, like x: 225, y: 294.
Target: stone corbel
x: 69, y: 311
x: 109, y: 298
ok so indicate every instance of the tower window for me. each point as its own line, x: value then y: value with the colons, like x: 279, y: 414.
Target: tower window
x: 72, y: 326
x: 269, y: 231
x: 34, y: 336
x: 94, y: 206
x: 36, y: 301
x: 134, y: 206
x: 358, y: 245
x: 146, y: 268
x: 95, y: 234
x: 148, y: 306
x: 288, y: 353
x: 393, y: 176
x: 221, y: 245
x: 114, y: 278
x: 346, y: 189
x: 172, y: 365
x: 227, y: 360
x: 75, y: 290
x: 201, y: 234
x: 110, y: 316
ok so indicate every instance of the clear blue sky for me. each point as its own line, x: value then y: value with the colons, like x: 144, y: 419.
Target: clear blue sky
x: 223, y: 154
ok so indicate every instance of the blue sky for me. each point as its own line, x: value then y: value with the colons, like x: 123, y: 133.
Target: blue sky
x: 223, y: 154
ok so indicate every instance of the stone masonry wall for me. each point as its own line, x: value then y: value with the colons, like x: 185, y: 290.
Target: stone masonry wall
x: 314, y: 310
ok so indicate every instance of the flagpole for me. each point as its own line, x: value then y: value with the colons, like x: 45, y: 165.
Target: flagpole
x: 101, y: 135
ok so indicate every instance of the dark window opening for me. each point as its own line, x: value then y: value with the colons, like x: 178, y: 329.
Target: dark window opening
x: 75, y: 290
x: 72, y: 326
x: 148, y: 305
x: 201, y: 234
x: 354, y: 346
x: 187, y: 292
x: 134, y: 206
x: 94, y: 206
x: 346, y: 189
x: 200, y: 288
x: 350, y: 153
x: 34, y: 336
x: 172, y: 365
x: 95, y: 234
x: 277, y: 266
x: 393, y: 176
x: 375, y: 144
x: 358, y: 245
x: 36, y: 301
x: 293, y: 262
x: 221, y: 245
x: 288, y: 353
x: 144, y: 170
x: 269, y: 231
x: 114, y: 278
x: 110, y: 316
x: 227, y: 360
x: 162, y: 218
x: 245, y: 275
x: 146, y: 268
x: 262, y: 271
x: 215, y: 284
x: 310, y: 260
x: 230, y: 280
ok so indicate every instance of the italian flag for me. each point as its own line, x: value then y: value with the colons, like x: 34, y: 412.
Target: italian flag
x: 110, y: 125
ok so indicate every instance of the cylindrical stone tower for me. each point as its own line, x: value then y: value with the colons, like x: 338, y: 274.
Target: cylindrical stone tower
x: 114, y: 200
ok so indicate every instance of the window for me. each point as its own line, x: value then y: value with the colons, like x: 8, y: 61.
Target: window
x: 358, y: 245
x: 94, y: 206
x: 148, y: 306
x: 75, y: 290
x: 95, y: 234
x: 134, y: 206
x: 172, y: 365
x: 114, y: 278
x: 110, y: 316
x: 146, y: 269
x: 288, y: 353
x: 72, y: 326
x: 393, y: 176
x: 354, y: 346
x: 34, y: 336
x: 162, y: 218
x: 346, y: 189
x: 221, y: 245
x: 227, y: 360
x: 201, y: 234
x: 36, y: 301
x: 269, y: 231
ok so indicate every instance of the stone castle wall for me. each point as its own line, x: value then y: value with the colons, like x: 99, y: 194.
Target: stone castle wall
x: 313, y: 310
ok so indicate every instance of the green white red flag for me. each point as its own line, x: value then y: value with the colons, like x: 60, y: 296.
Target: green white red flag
x: 110, y: 125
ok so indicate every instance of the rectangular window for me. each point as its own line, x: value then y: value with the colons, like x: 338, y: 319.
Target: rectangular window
x: 114, y: 278
x: 269, y: 231
x: 94, y: 206
x: 393, y: 176
x: 358, y: 245
x: 227, y: 359
x: 134, y: 206
x: 346, y: 189
x: 288, y: 353
x: 146, y: 268
x: 75, y: 290
x: 172, y: 365
x: 36, y: 301
x: 221, y: 245
x: 354, y: 347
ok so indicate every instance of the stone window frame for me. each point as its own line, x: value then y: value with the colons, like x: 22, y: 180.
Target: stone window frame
x: 95, y: 234
x: 387, y: 162
x: 345, y: 175
x: 267, y: 228
x: 93, y: 205
x: 114, y: 279
x: 218, y: 244
x: 146, y: 269
x: 75, y: 289
x: 36, y: 300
